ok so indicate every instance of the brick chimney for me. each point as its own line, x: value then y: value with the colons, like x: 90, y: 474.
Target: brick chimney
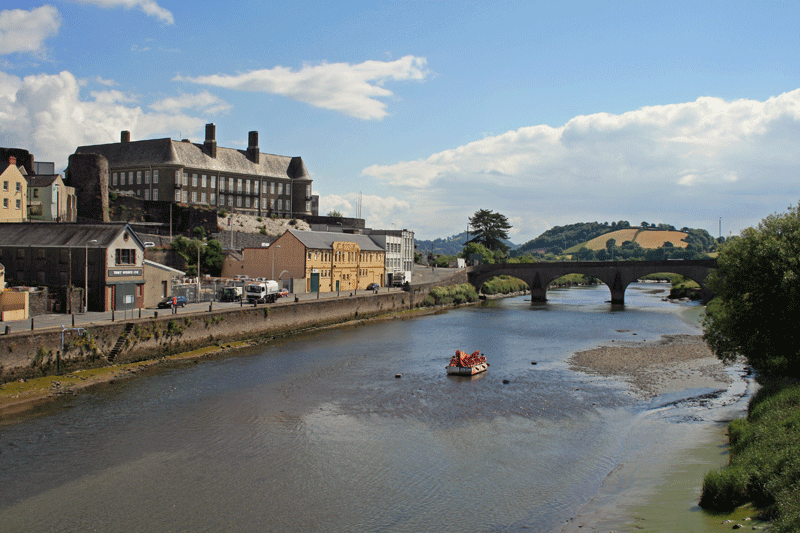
x: 253, y: 153
x: 125, y: 137
x: 210, y: 146
x: 12, y: 160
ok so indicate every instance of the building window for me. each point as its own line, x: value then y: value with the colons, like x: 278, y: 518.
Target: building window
x: 264, y: 187
x: 147, y: 194
x: 202, y: 197
x: 186, y: 197
x: 126, y: 256
x: 177, y: 176
x: 185, y: 179
x: 263, y: 203
x: 238, y: 201
x: 271, y: 204
x: 17, y: 204
x: 155, y: 176
x: 203, y: 180
x: 222, y: 183
x: 122, y: 178
x: 272, y: 187
x: 212, y: 198
x: 280, y: 189
x: 221, y: 199
x: 194, y: 197
x: 5, y: 203
x: 147, y: 177
x: 239, y: 185
x: 36, y: 193
x: 114, y: 180
x: 308, y: 191
x: 155, y: 194
x: 177, y: 195
x: 308, y: 206
x: 194, y: 180
x: 280, y: 204
x: 213, y: 182
x: 247, y: 186
x: 247, y: 201
x: 230, y: 200
x: 138, y: 177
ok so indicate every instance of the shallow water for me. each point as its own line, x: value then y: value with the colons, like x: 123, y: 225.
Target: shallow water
x: 317, y: 433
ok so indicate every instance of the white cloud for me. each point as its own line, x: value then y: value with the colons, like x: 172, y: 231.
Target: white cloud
x: 46, y: 115
x: 695, y: 157
x: 149, y: 7
x: 378, y: 212
x: 203, y: 101
x: 349, y: 89
x: 26, y: 31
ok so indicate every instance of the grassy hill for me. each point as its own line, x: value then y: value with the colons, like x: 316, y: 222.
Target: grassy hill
x: 647, y: 238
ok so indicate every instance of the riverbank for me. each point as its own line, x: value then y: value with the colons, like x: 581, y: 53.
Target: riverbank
x: 659, y: 491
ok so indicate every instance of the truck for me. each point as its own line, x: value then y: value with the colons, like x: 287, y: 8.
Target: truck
x: 264, y: 292
x: 401, y: 277
x: 231, y: 294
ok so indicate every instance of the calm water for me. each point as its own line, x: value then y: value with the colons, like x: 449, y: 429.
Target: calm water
x: 317, y: 434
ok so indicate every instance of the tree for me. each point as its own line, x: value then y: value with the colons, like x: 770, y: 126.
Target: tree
x: 474, y: 249
x: 757, y: 297
x: 335, y: 214
x: 490, y: 230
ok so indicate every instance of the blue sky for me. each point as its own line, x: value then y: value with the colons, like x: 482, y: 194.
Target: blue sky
x: 548, y: 112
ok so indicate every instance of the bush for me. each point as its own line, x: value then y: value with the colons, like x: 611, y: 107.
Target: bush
x: 452, y: 294
x: 504, y: 285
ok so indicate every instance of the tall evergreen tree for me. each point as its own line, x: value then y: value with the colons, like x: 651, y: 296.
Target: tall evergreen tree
x: 490, y: 229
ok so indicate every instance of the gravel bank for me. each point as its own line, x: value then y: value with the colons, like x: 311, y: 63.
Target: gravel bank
x: 674, y: 363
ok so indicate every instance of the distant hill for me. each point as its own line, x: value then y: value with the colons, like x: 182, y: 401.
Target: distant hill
x: 450, y: 245
x: 594, y: 235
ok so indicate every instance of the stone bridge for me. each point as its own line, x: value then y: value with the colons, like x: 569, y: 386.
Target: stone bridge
x: 617, y: 275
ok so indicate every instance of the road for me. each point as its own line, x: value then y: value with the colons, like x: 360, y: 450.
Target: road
x: 57, y: 320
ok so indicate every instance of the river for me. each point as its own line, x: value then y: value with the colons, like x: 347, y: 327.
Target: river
x: 318, y: 434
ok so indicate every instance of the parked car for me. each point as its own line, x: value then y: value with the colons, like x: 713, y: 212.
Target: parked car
x: 166, y: 303
x: 373, y: 287
x: 283, y: 293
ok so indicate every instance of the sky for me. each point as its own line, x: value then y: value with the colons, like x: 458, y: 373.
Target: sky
x: 550, y: 113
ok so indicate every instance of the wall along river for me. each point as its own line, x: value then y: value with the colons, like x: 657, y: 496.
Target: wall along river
x: 317, y: 434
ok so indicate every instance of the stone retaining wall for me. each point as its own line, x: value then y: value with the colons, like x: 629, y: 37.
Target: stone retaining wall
x: 148, y: 338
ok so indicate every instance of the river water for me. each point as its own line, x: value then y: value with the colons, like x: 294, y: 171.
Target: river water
x: 318, y: 434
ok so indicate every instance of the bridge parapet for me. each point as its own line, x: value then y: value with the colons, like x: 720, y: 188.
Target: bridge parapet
x: 617, y: 275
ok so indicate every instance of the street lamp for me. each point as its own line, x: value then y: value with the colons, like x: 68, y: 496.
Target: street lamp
x: 273, y: 261
x: 86, y: 274
x: 197, y: 298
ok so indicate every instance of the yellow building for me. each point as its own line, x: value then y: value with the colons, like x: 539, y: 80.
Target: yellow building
x: 315, y: 261
x: 13, y: 192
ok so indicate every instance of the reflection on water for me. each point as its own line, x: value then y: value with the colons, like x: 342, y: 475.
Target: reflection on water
x: 318, y: 434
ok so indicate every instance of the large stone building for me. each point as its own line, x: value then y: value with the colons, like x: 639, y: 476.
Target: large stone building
x: 165, y: 170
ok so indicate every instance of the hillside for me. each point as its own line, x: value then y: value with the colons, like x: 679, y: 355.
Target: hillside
x: 450, y: 245
x: 645, y: 238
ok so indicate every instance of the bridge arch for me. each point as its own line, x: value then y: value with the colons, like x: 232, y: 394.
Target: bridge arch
x: 616, y: 275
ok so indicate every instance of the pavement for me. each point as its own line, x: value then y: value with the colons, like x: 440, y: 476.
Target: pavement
x: 58, y: 321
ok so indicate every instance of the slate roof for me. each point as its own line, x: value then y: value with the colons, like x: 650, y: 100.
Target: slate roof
x: 62, y: 235
x: 169, y: 152
x: 41, y: 181
x: 322, y: 240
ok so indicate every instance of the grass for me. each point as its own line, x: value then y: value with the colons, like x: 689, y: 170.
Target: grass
x: 764, y: 466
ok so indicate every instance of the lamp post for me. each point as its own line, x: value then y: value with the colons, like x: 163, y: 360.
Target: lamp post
x: 273, y: 261
x: 86, y: 274
x: 197, y: 298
